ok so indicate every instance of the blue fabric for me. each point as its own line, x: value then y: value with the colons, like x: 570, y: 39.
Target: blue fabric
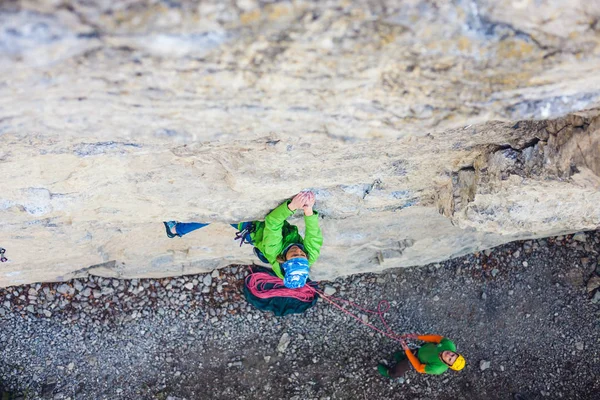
x: 242, y: 225
x: 183, y: 228
x: 296, y: 272
x: 261, y: 256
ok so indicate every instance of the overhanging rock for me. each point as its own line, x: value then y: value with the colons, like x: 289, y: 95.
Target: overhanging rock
x: 383, y: 203
x: 426, y: 130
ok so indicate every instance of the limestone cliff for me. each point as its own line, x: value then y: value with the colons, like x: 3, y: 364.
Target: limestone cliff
x: 426, y: 129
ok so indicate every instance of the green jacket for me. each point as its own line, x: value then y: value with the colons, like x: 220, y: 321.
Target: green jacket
x: 427, y: 360
x: 429, y: 354
x: 274, y: 234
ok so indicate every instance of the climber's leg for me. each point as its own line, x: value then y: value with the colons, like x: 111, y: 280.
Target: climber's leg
x: 399, y: 369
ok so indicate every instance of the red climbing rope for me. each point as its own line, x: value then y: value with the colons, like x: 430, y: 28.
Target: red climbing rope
x: 390, y: 334
x: 257, y: 281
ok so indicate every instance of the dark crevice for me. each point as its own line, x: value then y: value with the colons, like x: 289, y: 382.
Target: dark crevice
x: 527, y: 144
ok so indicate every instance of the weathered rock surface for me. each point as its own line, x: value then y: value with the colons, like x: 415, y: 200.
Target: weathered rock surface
x: 117, y: 116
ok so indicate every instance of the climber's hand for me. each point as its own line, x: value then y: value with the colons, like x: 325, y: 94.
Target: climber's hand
x: 298, y: 201
x: 308, y: 205
x: 404, y: 345
x: 310, y: 200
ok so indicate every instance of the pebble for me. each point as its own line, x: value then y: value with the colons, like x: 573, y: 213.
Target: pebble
x: 207, y: 280
x: 517, y: 254
x: 525, y: 263
x: 579, y: 346
x: 593, y: 283
x: 284, y: 342
x: 580, y: 237
x: 483, y: 296
x: 189, y: 286
x: 215, y: 273
x: 330, y: 290
x: 484, y: 364
x: 495, y: 272
x: 63, y: 288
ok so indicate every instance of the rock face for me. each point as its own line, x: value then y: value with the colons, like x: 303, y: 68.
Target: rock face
x: 426, y: 129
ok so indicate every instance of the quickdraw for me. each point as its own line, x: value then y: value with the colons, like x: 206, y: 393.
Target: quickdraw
x: 2, y: 257
x: 244, y: 235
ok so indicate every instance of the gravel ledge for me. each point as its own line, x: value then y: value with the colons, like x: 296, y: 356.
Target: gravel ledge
x: 525, y: 315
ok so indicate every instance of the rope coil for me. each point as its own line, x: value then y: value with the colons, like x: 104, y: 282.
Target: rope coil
x: 257, y: 284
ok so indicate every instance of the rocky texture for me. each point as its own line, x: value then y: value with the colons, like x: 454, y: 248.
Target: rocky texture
x: 115, y: 116
x: 534, y: 332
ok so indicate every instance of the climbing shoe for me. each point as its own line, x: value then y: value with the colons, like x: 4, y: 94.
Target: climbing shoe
x: 399, y: 356
x: 169, y: 225
x: 383, y: 370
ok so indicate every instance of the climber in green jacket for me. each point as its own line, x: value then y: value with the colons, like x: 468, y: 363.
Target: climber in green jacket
x: 435, y: 356
x: 275, y: 240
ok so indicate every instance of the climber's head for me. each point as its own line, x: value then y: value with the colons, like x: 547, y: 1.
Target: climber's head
x: 454, y: 360
x: 294, y: 251
x: 295, y: 266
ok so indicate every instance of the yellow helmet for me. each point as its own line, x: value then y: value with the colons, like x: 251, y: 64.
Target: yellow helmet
x: 459, y: 363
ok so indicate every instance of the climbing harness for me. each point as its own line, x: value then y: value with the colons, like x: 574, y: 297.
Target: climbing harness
x: 2, y: 257
x: 244, y: 234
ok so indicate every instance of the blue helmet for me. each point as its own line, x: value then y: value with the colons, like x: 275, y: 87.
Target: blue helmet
x: 296, y: 272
